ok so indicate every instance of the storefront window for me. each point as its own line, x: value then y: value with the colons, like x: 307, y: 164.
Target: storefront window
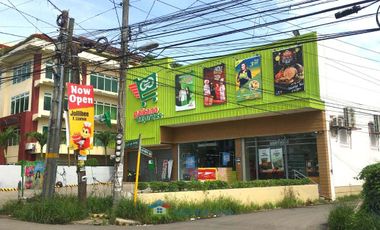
x: 287, y: 156
x: 212, y: 154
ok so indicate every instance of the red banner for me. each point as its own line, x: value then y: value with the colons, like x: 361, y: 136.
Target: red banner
x: 206, y: 173
x: 80, y: 96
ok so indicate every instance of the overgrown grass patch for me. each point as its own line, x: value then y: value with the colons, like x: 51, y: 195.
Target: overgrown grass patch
x: 99, y: 204
x: 58, y: 210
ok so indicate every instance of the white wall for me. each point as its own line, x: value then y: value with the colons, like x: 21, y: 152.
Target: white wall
x: 349, y: 77
x: 10, y: 175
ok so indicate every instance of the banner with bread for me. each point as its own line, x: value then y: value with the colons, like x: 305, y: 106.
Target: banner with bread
x: 288, y: 70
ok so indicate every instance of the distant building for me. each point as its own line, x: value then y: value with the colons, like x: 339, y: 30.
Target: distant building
x: 26, y: 86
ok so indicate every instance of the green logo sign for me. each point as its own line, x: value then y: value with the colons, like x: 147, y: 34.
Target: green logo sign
x: 145, y: 89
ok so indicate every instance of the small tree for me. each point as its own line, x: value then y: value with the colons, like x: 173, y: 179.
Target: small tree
x: 41, y: 138
x: 5, y: 137
x: 371, y: 187
x: 105, y: 137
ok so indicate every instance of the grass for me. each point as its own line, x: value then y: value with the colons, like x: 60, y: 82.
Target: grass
x: 65, y: 209
x: 348, y: 216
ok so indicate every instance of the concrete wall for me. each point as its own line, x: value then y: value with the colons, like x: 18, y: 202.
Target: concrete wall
x: 10, y: 175
x: 348, y: 79
x: 258, y: 196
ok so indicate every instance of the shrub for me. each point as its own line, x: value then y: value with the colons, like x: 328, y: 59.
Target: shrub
x: 371, y: 187
x: 341, y: 217
x: 172, y: 187
x: 91, y: 162
x: 181, y: 185
x: 365, y: 220
x: 142, y: 185
x: 194, y: 185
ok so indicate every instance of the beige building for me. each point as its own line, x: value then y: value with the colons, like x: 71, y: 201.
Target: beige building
x: 26, y: 90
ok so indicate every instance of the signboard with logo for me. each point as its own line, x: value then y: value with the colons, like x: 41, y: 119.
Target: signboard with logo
x: 145, y: 89
x: 81, y: 117
x: 207, y: 173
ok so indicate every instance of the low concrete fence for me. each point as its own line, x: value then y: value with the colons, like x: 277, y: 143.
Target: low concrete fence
x: 256, y: 195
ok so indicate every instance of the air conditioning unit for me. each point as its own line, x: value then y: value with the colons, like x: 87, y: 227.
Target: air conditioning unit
x: 376, y: 123
x: 349, y: 117
x: 341, y: 122
x: 30, y: 146
x: 334, y: 122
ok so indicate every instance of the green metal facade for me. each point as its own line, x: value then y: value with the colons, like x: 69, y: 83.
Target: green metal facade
x: 268, y: 104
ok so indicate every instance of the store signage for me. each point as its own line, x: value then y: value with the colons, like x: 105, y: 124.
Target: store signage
x: 146, y: 152
x: 132, y: 143
x: 81, y: 117
x: 144, y: 115
x: 145, y: 89
x: 206, y: 173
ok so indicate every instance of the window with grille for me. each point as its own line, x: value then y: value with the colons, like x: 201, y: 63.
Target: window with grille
x: 101, y: 107
x: 22, y: 72
x: 103, y: 82
x: 16, y: 139
x: 20, y: 103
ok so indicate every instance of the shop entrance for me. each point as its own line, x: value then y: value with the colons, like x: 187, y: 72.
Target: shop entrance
x: 275, y: 157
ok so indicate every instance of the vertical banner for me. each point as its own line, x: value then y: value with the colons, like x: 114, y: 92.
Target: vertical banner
x: 214, y: 85
x: 288, y: 70
x: 184, y: 92
x: 81, y: 117
x: 248, y: 79
x: 277, y: 159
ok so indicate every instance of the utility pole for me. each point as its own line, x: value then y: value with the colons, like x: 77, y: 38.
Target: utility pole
x: 121, y: 102
x: 81, y: 171
x: 55, y: 121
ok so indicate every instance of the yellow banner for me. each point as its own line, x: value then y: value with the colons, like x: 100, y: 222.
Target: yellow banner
x: 81, y: 117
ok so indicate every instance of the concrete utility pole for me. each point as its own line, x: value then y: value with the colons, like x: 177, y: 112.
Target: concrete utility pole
x: 81, y: 171
x: 119, y: 165
x: 55, y: 121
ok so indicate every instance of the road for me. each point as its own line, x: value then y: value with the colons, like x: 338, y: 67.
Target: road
x: 309, y: 218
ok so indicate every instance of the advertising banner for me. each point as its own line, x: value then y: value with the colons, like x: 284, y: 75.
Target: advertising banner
x: 214, y: 85
x: 33, y: 172
x: 288, y: 70
x: 265, y: 161
x: 248, y: 79
x: 184, y: 92
x: 81, y: 117
x: 277, y: 159
x: 207, y: 173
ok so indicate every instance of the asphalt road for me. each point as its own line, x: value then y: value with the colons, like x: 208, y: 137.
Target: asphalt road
x: 282, y: 219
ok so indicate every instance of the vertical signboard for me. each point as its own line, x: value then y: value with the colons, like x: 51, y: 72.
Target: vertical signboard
x: 214, y: 85
x: 81, y: 117
x: 184, y: 92
x: 288, y: 70
x: 248, y: 79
